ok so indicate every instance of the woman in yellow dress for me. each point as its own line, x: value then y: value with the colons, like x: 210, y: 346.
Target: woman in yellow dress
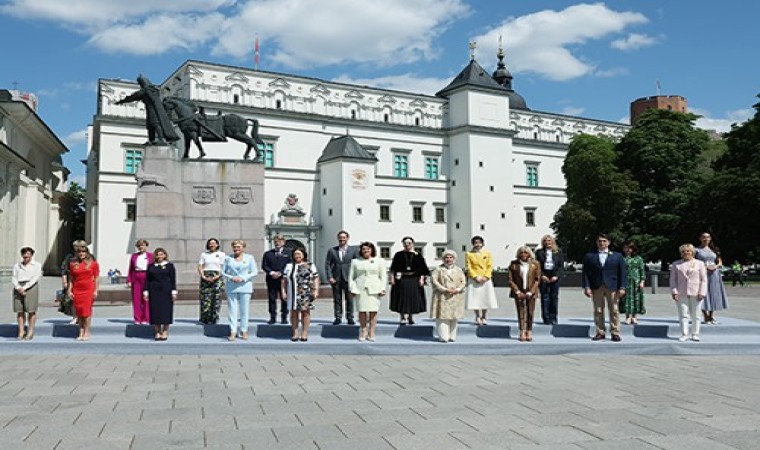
x: 481, y: 295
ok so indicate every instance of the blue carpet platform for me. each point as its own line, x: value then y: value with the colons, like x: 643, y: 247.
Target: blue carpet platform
x: 652, y: 336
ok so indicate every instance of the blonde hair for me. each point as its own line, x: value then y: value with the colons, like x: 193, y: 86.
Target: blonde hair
x: 553, y: 247
x: 238, y: 242
x: 524, y: 248
x: 687, y: 247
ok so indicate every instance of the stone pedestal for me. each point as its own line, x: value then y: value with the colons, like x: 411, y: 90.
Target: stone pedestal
x: 182, y: 203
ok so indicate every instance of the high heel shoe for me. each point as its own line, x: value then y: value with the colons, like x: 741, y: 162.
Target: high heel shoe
x: 529, y: 336
x: 363, y: 335
x: 29, y: 336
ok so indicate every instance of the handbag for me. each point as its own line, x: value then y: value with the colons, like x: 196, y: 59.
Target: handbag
x: 65, y: 305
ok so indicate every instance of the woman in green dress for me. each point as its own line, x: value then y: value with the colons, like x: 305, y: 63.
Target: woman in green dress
x: 632, y: 304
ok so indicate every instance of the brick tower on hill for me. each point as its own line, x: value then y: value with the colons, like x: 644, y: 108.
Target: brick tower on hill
x: 669, y: 102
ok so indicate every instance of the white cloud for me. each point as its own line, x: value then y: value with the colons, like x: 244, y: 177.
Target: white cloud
x: 541, y: 42
x: 613, y: 72
x: 293, y: 33
x: 633, y: 41
x: 91, y: 15
x: 75, y: 138
x: 572, y: 110
x: 721, y: 124
x: 338, y: 31
x: 159, y: 34
x: 405, y: 82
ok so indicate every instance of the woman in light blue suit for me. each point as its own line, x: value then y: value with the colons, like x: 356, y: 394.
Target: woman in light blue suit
x: 239, y: 271
x: 367, y: 281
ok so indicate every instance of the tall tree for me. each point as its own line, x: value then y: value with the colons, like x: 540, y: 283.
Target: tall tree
x: 597, y: 194
x: 731, y: 201
x: 663, y: 154
x: 76, y: 204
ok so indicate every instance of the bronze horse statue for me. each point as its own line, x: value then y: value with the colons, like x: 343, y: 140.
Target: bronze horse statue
x: 194, y: 125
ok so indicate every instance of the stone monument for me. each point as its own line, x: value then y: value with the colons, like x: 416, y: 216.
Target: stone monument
x: 182, y: 203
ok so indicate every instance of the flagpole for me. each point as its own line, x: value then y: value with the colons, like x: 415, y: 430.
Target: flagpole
x: 256, y: 52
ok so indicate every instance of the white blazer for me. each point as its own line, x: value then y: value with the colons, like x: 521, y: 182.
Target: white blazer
x: 688, y: 277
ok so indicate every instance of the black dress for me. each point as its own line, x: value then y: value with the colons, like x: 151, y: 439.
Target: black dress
x: 407, y: 296
x: 161, y: 280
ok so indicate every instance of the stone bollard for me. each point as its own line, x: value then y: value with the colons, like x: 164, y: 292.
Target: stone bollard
x: 654, y: 279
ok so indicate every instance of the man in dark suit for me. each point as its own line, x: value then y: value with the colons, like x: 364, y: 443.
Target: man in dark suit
x: 272, y: 263
x: 337, y: 266
x: 604, y: 279
x: 552, y: 270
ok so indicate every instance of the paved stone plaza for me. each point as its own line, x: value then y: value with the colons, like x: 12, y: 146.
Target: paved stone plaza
x: 121, y: 390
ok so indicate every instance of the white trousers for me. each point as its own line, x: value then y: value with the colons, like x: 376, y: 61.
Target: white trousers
x: 446, y: 329
x: 688, y: 307
x: 238, y: 301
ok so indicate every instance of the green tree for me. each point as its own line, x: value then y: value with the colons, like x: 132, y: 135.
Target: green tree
x: 663, y: 154
x: 597, y: 194
x: 730, y: 202
x: 75, y: 200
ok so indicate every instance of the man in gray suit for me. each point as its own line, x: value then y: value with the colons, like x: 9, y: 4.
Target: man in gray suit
x: 337, y: 266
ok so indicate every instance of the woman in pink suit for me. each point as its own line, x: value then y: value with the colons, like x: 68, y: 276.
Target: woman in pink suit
x: 138, y: 265
x: 688, y: 286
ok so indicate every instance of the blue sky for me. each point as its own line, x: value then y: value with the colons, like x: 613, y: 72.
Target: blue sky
x: 587, y: 59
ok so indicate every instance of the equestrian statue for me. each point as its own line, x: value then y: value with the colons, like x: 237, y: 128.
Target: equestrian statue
x: 195, y: 126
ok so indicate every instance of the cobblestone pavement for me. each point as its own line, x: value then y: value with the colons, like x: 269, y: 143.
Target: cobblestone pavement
x: 56, y: 399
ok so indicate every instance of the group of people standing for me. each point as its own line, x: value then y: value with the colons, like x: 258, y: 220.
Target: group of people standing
x: 360, y: 278
x: 616, y: 281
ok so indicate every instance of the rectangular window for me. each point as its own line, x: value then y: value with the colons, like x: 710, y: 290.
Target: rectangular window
x: 431, y: 168
x: 130, y: 210
x: 531, y: 175
x: 439, y: 252
x: 401, y: 166
x: 416, y: 213
x: 267, y: 152
x: 440, y: 215
x: 530, y: 217
x: 385, y: 213
x: 132, y: 160
x: 385, y: 252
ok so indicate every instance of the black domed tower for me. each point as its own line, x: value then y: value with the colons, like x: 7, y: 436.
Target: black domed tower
x: 502, y: 76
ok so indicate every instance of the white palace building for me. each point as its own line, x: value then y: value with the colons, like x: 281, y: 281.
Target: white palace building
x: 381, y: 164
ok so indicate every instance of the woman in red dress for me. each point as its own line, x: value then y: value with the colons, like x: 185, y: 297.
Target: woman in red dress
x: 84, y: 274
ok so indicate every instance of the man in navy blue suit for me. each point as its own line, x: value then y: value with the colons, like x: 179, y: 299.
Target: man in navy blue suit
x: 272, y: 263
x: 604, y: 279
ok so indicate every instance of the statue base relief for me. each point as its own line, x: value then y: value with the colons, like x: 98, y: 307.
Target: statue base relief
x: 183, y: 203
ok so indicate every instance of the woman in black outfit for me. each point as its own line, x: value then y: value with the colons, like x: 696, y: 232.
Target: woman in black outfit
x: 161, y: 292
x: 408, y: 273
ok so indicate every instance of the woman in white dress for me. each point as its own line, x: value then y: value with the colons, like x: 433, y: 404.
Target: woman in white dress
x: 481, y: 295
x: 367, y: 281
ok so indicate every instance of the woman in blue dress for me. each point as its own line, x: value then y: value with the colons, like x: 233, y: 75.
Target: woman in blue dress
x: 716, y: 298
